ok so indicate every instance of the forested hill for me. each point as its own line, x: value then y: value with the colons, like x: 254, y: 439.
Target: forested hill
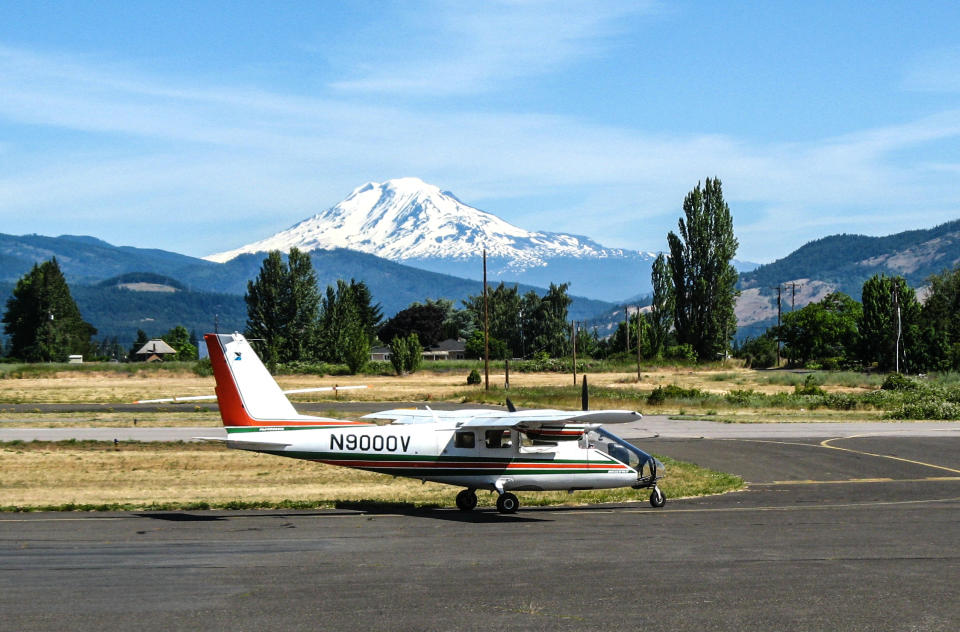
x: 98, y: 272
x: 844, y: 262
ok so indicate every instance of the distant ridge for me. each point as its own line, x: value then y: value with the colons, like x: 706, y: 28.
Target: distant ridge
x: 842, y: 263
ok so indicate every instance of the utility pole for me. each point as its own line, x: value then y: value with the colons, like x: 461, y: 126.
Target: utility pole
x: 573, y: 337
x: 779, y: 288
x: 793, y: 294
x: 486, y: 328
x: 626, y: 320
x: 896, y: 348
x: 639, y: 342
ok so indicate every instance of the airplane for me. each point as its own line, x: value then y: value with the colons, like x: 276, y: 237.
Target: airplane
x: 501, y: 451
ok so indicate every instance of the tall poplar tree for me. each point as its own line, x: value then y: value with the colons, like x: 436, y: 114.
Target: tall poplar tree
x: 662, y: 306
x: 879, y: 326
x: 704, y: 280
x: 42, y: 319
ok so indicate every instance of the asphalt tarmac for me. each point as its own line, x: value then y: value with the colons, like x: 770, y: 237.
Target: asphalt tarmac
x: 856, y: 533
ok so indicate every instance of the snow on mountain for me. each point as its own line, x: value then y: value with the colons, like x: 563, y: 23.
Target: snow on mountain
x: 407, y: 218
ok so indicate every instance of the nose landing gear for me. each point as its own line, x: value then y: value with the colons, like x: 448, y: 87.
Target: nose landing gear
x: 507, y: 503
x: 657, y: 497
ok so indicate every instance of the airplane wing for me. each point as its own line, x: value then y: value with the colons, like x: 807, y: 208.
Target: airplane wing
x: 522, y: 419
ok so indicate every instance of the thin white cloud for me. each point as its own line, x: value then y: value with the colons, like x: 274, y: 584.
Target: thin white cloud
x: 250, y: 157
x: 467, y: 48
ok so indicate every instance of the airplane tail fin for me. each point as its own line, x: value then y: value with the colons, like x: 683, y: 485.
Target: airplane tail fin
x: 246, y: 392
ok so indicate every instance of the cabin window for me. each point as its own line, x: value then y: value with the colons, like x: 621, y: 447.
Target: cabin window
x: 498, y: 438
x: 463, y: 440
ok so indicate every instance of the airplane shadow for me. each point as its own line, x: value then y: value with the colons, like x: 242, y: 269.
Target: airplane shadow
x: 433, y: 512
x: 177, y: 516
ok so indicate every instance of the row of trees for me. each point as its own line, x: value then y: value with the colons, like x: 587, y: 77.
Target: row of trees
x: 296, y: 324
x: 888, y: 329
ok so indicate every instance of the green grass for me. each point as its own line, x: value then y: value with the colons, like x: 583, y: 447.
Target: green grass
x: 49, y: 369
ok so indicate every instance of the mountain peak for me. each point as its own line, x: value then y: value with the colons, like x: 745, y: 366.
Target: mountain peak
x: 407, y: 218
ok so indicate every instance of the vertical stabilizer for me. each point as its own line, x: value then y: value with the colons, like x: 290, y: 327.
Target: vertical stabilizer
x: 246, y: 392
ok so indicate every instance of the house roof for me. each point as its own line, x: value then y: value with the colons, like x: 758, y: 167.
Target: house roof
x: 156, y: 346
x: 449, y: 345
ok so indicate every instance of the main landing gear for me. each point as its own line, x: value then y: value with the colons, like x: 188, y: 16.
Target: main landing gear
x: 507, y: 503
x: 466, y: 500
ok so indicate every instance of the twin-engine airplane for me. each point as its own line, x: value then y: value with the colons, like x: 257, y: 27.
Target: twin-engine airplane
x: 529, y: 450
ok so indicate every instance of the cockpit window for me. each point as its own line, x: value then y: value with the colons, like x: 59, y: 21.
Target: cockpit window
x: 463, y: 440
x: 498, y: 438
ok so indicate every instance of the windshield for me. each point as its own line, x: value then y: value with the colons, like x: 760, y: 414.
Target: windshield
x: 649, y: 470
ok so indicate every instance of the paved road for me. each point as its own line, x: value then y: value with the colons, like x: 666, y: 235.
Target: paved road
x: 852, y: 534
x: 649, y: 427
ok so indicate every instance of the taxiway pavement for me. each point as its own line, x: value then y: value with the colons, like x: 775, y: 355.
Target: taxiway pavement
x: 848, y: 533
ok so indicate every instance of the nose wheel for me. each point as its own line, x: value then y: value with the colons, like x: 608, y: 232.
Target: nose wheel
x: 657, y: 497
x: 507, y: 503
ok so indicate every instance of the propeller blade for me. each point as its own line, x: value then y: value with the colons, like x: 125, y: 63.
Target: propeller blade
x: 510, y: 406
x: 584, y: 395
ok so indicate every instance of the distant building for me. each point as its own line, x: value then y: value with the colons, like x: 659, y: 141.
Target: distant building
x: 155, y: 350
x: 449, y: 349
x: 380, y: 354
x: 75, y: 359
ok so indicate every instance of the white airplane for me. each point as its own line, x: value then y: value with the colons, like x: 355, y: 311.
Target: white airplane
x: 529, y: 450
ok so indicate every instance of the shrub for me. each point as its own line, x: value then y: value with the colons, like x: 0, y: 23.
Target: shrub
x: 203, y: 368
x: 809, y: 387
x: 680, y: 352
x: 899, y: 382
x: 474, y: 377
x: 672, y: 391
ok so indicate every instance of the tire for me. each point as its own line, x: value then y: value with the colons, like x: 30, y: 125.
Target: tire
x: 657, y: 498
x: 507, y: 503
x: 466, y: 500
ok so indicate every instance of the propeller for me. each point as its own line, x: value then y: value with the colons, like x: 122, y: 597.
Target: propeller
x: 584, y: 395
x: 510, y: 406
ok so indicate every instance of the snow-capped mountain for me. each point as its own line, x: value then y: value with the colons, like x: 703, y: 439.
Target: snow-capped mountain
x: 415, y: 223
x: 407, y: 219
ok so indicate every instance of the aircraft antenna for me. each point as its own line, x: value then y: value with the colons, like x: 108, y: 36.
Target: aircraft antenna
x: 585, y: 395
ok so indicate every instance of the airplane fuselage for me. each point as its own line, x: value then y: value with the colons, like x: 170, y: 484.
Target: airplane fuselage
x: 495, y: 459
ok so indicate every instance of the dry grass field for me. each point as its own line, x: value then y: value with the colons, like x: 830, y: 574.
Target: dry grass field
x: 66, y: 475
x: 124, y: 387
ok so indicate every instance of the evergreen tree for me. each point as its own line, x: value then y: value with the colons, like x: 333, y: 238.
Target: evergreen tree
x: 370, y: 314
x: 703, y: 278
x: 42, y: 319
x: 141, y: 340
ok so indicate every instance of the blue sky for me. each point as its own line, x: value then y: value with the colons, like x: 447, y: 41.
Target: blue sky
x: 201, y: 126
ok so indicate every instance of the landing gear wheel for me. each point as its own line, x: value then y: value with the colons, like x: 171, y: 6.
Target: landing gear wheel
x: 657, y: 498
x: 466, y: 500
x: 507, y: 503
